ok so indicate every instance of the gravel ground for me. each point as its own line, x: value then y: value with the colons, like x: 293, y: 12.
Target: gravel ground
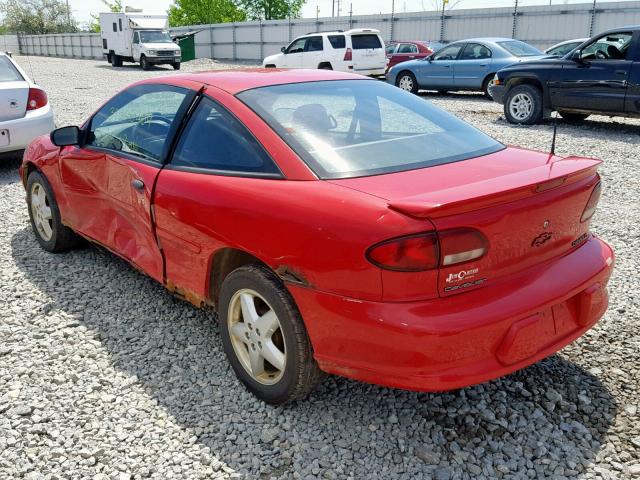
x: 105, y: 375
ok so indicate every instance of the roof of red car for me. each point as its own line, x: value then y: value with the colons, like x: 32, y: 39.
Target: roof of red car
x: 234, y: 81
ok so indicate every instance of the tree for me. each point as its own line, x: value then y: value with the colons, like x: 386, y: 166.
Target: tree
x: 116, y: 7
x: 272, y: 9
x: 37, y: 16
x: 200, y: 12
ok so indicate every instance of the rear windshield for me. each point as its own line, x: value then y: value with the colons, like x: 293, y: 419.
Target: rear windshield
x: 519, y: 49
x: 355, y: 128
x: 337, y: 41
x: 361, y: 42
x: 8, y: 71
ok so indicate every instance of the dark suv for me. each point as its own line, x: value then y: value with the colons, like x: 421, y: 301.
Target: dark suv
x: 600, y: 76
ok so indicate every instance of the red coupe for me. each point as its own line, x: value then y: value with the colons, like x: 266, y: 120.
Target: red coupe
x: 398, y: 52
x: 336, y: 224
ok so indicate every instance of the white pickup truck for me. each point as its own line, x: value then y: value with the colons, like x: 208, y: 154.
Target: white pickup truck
x: 135, y: 37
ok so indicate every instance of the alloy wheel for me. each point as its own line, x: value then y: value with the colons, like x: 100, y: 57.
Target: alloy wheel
x: 256, y: 336
x: 41, y: 212
x: 521, y: 106
x: 406, y: 83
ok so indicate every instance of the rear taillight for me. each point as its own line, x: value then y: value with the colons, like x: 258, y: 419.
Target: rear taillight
x: 413, y: 253
x: 592, y: 204
x: 348, y: 56
x: 428, y: 251
x: 37, y: 99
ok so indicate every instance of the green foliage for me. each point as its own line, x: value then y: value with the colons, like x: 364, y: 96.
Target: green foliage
x: 199, y: 12
x: 272, y: 9
x: 115, y: 6
x: 37, y: 16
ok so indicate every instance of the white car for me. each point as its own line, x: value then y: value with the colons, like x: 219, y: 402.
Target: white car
x: 562, y: 48
x: 360, y: 50
x: 25, y: 112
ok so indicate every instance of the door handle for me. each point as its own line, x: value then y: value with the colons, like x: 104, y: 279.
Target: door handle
x: 620, y: 72
x: 483, y: 64
x: 447, y: 66
x: 412, y: 56
x: 138, y: 184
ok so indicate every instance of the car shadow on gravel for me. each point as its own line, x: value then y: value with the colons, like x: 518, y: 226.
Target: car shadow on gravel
x: 549, y: 419
x: 9, y: 164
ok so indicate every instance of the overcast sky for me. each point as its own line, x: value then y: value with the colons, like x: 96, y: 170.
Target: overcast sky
x: 82, y: 9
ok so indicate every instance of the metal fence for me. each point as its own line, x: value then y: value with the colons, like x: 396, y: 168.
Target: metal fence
x: 9, y: 43
x: 540, y: 26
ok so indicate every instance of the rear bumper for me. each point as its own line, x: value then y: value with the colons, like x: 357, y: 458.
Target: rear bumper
x: 497, y: 93
x: 23, y: 130
x: 465, y: 339
x: 371, y: 72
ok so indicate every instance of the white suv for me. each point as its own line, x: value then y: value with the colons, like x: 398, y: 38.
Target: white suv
x: 359, y: 50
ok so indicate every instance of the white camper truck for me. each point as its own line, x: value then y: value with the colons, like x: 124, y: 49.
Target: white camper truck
x: 134, y: 37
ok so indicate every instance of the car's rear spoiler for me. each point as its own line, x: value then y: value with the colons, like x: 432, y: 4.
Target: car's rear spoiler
x: 498, y: 190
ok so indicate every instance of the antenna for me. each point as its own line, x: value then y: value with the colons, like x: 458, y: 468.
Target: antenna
x: 26, y: 49
x: 552, y: 152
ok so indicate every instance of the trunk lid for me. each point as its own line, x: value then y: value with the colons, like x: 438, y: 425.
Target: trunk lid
x: 526, y: 204
x: 13, y: 99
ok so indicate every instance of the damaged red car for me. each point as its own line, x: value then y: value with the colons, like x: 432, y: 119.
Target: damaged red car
x: 335, y: 223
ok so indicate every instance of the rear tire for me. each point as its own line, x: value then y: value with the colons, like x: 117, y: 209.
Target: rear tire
x: 485, y: 86
x: 574, y: 117
x: 176, y: 65
x: 45, y: 218
x: 523, y: 105
x: 260, y: 324
x: 144, y: 63
x: 116, y: 60
x: 407, y: 81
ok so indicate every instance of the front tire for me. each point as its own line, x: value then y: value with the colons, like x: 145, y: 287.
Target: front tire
x: 407, y: 81
x: 144, y: 63
x: 264, y: 336
x: 176, y: 65
x: 523, y: 105
x: 45, y: 218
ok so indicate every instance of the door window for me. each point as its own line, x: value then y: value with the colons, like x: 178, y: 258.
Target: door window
x: 297, y: 46
x: 314, y: 44
x: 613, y: 46
x: 364, y: 42
x: 215, y: 140
x: 136, y: 38
x: 139, y: 121
x: 475, y: 51
x: 337, y: 41
x: 391, y: 49
x: 448, y: 53
x: 408, y: 48
x: 8, y: 71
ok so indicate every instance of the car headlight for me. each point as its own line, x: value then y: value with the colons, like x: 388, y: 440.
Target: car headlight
x: 151, y: 52
x: 176, y: 52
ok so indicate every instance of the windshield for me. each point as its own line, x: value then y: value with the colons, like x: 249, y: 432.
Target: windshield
x: 519, y: 49
x: 354, y: 128
x: 154, y: 36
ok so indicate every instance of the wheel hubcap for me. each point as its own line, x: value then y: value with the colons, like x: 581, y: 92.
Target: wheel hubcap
x: 41, y: 212
x: 521, y: 106
x: 406, y: 83
x: 256, y: 336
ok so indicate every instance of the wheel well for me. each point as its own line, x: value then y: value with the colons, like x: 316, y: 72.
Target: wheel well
x: 526, y: 81
x: 402, y: 73
x: 271, y: 65
x: 26, y: 171
x: 488, y: 78
x: 225, y: 261
x: 324, y: 64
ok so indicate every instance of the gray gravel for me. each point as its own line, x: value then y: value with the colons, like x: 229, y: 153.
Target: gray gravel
x: 104, y: 375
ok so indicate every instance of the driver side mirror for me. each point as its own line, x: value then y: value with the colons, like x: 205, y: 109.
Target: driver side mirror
x: 429, y: 58
x: 283, y: 49
x: 65, y: 136
x: 576, y: 56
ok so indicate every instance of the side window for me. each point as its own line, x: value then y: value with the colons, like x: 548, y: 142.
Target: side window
x: 215, y: 140
x: 475, y: 51
x: 115, y: 27
x: 408, y: 48
x: 365, y: 41
x: 448, y: 53
x: 314, y: 44
x: 120, y: 23
x: 391, y: 49
x: 337, y: 41
x: 136, y: 38
x: 297, y: 46
x: 613, y: 46
x: 138, y: 121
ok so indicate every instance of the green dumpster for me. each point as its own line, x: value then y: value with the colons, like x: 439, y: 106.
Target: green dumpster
x: 187, y: 44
